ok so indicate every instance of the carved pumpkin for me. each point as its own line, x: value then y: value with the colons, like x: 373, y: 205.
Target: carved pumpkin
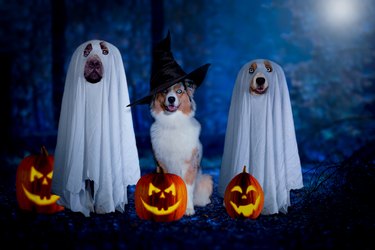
x: 244, y: 196
x: 33, y: 184
x: 160, y: 197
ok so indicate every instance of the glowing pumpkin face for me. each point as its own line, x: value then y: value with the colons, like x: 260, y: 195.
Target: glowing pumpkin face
x: 244, y: 196
x: 33, y: 184
x: 160, y: 197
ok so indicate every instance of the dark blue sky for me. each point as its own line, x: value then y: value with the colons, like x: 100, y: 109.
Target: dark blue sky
x: 325, y: 48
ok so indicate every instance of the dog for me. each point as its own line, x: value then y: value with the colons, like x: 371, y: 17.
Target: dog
x: 96, y: 155
x: 93, y: 70
x: 259, y: 82
x: 175, y: 141
x: 260, y: 134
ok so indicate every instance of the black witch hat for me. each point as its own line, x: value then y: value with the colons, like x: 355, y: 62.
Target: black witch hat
x: 166, y: 72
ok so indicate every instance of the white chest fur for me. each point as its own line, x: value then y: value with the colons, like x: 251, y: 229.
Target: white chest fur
x: 173, y: 138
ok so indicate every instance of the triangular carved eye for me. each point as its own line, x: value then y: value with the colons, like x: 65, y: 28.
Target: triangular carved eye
x: 49, y: 175
x: 171, y: 190
x: 87, y: 50
x: 35, y: 174
x: 152, y: 189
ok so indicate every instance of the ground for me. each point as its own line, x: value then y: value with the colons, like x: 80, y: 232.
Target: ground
x: 332, y: 211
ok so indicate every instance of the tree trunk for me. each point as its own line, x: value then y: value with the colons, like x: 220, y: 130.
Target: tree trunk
x: 5, y: 102
x: 58, y: 54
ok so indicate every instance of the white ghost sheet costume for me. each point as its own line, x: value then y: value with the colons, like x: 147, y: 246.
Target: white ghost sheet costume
x: 96, y: 157
x: 260, y: 135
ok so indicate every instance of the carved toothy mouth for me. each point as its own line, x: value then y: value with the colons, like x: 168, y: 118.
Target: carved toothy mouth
x: 246, y: 210
x: 161, y: 211
x: 40, y: 201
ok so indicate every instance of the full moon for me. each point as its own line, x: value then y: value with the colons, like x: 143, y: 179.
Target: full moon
x: 340, y: 13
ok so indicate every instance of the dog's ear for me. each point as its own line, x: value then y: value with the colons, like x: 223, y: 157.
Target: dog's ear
x: 155, y: 103
x: 190, y: 87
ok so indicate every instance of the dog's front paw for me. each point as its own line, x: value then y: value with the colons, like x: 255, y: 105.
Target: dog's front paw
x: 189, y: 211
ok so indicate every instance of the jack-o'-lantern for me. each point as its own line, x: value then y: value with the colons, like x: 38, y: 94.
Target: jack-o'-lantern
x: 33, y: 184
x: 160, y: 197
x: 244, y: 196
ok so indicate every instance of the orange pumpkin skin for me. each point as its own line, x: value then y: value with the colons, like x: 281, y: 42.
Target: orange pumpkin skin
x: 244, y: 197
x: 160, y: 197
x: 33, y: 184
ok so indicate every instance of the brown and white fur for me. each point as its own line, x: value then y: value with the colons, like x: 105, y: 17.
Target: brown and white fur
x: 175, y: 141
x: 259, y: 83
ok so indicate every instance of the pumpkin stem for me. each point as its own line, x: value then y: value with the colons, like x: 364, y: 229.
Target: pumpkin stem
x: 244, y: 169
x: 159, y: 170
x: 44, y: 151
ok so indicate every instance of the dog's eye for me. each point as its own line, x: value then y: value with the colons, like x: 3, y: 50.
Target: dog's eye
x: 179, y: 91
x: 87, y: 50
x: 189, y: 83
x: 104, y: 48
x: 269, y: 69
x: 165, y: 91
x: 251, y: 70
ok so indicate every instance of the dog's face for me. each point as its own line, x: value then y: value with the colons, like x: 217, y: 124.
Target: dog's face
x: 178, y: 97
x: 93, y: 71
x: 259, y: 77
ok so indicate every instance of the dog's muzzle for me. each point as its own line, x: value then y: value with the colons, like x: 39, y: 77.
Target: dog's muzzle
x: 171, y: 105
x: 259, y: 84
x: 93, y: 71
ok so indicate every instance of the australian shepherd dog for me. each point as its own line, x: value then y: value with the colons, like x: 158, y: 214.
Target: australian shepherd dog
x: 175, y: 141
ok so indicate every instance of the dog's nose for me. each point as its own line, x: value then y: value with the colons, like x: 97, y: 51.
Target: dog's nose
x: 260, y: 80
x: 95, y: 64
x: 171, y: 99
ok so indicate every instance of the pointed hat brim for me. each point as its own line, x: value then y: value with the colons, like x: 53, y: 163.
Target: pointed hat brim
x: 197, y: 76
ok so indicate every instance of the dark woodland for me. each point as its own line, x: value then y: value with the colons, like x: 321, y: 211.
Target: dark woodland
x: 327, y: 51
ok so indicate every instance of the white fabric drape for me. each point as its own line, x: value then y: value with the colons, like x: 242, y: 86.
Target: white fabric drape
x: 260, y: 134
x: 96, y: 140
